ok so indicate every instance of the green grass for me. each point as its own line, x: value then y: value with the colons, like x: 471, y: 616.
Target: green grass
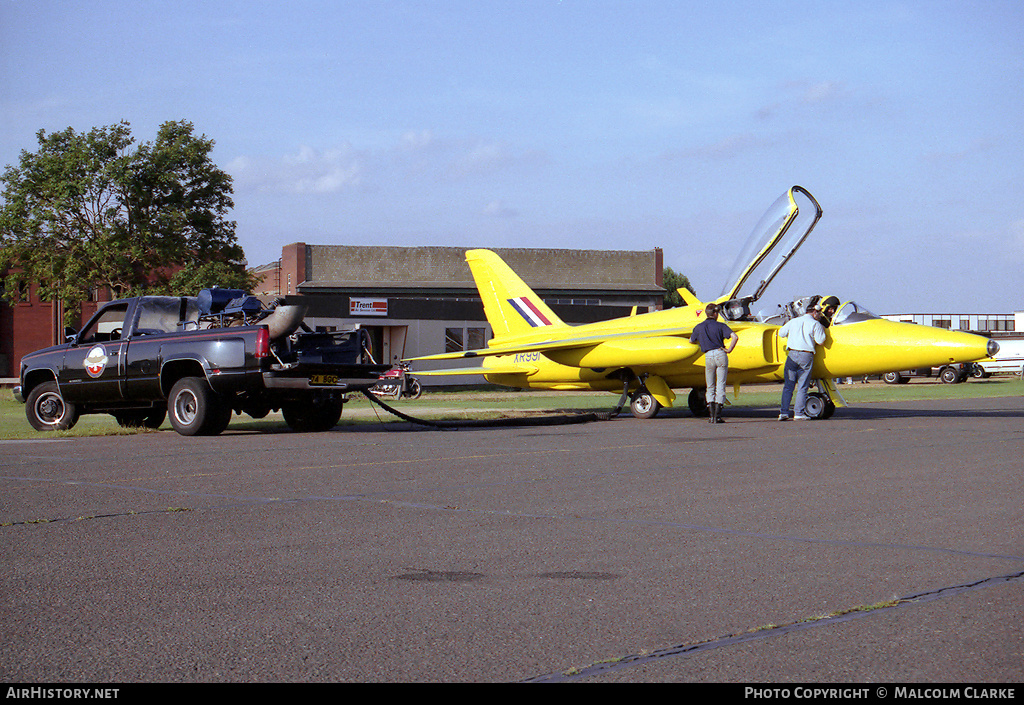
x: 491, y: 403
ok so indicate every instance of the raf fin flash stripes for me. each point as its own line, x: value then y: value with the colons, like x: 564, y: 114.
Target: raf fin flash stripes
x: 527, y: 310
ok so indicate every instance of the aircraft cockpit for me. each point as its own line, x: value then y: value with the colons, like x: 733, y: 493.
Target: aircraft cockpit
x: 851, y: 312
x: 848, y: 312
x: 736, y: 310
x: 781, y: 231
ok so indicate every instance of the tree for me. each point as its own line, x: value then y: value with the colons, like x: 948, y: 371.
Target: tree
x: 87, y: 210
x: 672, y: 283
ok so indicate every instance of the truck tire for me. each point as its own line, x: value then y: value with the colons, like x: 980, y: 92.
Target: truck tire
x: 949, y: 375
x: 321, y: 413
x: 892, y: 377
x: 195, y: 409
x: 46, y: 409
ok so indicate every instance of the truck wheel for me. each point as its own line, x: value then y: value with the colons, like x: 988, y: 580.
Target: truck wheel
x: 321, y: 413
x: 892, y: 377
x: 949, y: 375
x: 46, y: 409
x: 195, y: 409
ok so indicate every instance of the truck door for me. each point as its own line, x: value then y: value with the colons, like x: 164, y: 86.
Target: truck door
x: 92, y: 364
x: 156, y: 319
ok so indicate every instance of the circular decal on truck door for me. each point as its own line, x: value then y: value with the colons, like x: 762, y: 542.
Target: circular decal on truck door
x: 96, y: 361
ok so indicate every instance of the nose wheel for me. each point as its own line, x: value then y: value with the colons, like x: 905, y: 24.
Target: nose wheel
x: 819, y: 406
x: 644, y: 405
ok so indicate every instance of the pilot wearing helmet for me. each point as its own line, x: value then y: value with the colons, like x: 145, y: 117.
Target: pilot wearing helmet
x: 827, y: 305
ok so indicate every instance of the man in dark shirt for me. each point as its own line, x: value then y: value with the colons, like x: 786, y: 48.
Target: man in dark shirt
x: 711, y: 335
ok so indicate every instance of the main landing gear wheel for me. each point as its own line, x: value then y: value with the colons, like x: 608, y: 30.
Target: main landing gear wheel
x: 819, y: 406
x: 644, y: 405
x: 698, y: 402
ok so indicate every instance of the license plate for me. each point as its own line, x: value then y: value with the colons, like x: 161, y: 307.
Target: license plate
x: 324, y: 380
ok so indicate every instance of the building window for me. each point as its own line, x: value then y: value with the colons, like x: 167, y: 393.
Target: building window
x: 453, y: 340
x: 24, y: 292
x: 942, y: 323
x: 573, y: 302
x: 965, y: 324
x: 476, y: 338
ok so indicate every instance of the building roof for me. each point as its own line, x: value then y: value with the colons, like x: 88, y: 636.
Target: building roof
x: 348, y: 266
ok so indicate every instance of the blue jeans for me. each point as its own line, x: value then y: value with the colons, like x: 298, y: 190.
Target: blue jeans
x: 796, y: 373
x: 716, y: 367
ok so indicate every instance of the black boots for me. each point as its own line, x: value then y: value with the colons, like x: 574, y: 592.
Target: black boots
x: 715, y: 413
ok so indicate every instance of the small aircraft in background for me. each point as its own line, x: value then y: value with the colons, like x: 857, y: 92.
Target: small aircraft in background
x: 646, y: 356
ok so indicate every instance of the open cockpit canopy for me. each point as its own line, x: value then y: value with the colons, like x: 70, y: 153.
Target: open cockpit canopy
x: 781, y: 230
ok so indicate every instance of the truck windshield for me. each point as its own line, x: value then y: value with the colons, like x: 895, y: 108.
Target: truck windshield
x: 106, y: 326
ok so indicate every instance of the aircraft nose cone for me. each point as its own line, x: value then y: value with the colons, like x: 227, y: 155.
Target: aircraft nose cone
x: 877, y: 346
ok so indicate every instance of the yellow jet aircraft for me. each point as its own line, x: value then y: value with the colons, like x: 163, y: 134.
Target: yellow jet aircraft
x: 646, y: 356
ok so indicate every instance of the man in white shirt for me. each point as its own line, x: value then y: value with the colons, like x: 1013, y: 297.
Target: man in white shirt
x: 804, y: 334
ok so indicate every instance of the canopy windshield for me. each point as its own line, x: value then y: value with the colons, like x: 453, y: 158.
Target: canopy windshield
x: 783, y: 228
x: 851, y: 312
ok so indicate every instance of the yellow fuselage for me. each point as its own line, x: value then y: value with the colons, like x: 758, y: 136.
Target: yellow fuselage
x: 867, y: 347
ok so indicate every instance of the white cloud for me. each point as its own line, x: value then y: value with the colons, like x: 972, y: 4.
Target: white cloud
x: 823, y: 91
x: 479, y: 158
x: 413, y: 158
x: 498, y: 209
x: 305, y: 171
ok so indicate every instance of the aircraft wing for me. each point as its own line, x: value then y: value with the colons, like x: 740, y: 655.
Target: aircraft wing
x: 479, y: 370
x: 560, y: 343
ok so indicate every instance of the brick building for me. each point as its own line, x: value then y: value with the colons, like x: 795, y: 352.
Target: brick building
x: 422, y: 300
x: 32, y: 324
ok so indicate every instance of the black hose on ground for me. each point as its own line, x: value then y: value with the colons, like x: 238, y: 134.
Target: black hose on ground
x: 484, y: 423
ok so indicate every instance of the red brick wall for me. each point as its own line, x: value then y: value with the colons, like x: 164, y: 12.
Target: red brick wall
x: 293, y: 267
x: 29, y: 326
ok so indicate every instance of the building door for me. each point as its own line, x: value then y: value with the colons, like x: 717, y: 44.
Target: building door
x: 388, y: 343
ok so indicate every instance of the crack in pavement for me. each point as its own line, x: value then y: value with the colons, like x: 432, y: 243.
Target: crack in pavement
x: 761, y: 633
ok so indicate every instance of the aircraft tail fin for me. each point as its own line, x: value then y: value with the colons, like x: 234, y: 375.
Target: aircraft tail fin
x: 512, y: 308
x: 689, y: 298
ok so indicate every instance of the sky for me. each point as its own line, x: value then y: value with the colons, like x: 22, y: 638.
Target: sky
x: 583, y: 124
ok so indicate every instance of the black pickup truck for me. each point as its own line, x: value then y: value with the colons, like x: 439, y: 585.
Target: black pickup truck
x: 197, y: 359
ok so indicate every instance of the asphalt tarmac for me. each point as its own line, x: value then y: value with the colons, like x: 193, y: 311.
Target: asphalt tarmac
x: 885, y: 545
